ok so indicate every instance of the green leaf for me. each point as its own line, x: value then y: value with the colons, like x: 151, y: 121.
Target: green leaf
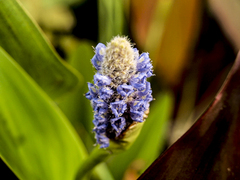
x: 111, y: 19
x: 36, y: 139
x: 76, y: 107
x: 151, y: 139
x: 103, y: 171
x: 64, y: 2
x: 24, y: 41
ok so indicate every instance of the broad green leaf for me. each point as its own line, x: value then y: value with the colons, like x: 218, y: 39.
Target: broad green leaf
x: 76, y: 107
x: 36, y: 139
x: 24, y: 41
x: 103, y: 171
x: 151, y: 139
x: 65, y: 2
x: 111, y: 20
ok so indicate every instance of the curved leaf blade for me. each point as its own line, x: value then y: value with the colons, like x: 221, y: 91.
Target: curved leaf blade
x: 210, y: 148
x: 110, y: 19
x: 172, y: 46
x: 23, y: 40
x: 80, y: 60
x: 36, y: 140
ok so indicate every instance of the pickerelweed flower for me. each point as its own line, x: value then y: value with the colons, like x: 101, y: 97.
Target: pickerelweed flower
x: 120, y: 94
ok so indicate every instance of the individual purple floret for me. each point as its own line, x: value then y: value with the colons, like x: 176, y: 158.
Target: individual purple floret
x: 145, y: 65
x: 125, y: 90
x: 138, y: 81
x: 121, y: 93
x: 105, y: 93
x: 118, y: 107
x: 98, y: 57
x: 137, y: 109
x: 101, y: 80
x: 118, y: 124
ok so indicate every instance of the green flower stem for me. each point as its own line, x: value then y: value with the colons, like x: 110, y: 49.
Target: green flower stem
x: 99, y: 155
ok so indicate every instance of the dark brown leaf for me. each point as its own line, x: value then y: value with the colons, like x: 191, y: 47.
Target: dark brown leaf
x: 210, y: 149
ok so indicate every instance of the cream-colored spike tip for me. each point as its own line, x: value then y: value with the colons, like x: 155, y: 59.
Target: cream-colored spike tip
x: 119, y: 62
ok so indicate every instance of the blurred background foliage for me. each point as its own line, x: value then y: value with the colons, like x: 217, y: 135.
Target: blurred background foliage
x: 192, y: 45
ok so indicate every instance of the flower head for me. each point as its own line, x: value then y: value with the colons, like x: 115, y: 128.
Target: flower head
x: 120, y: 94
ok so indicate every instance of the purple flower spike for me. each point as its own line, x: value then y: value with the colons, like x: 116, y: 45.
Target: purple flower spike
x: 120, y: 94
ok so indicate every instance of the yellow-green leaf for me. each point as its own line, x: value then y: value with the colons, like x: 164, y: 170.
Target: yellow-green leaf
x: 110, y: 19
x: 36, y: 139
x: 24, y: 41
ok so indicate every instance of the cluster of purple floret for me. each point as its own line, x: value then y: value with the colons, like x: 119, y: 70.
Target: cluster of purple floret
x: 116, y: 106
